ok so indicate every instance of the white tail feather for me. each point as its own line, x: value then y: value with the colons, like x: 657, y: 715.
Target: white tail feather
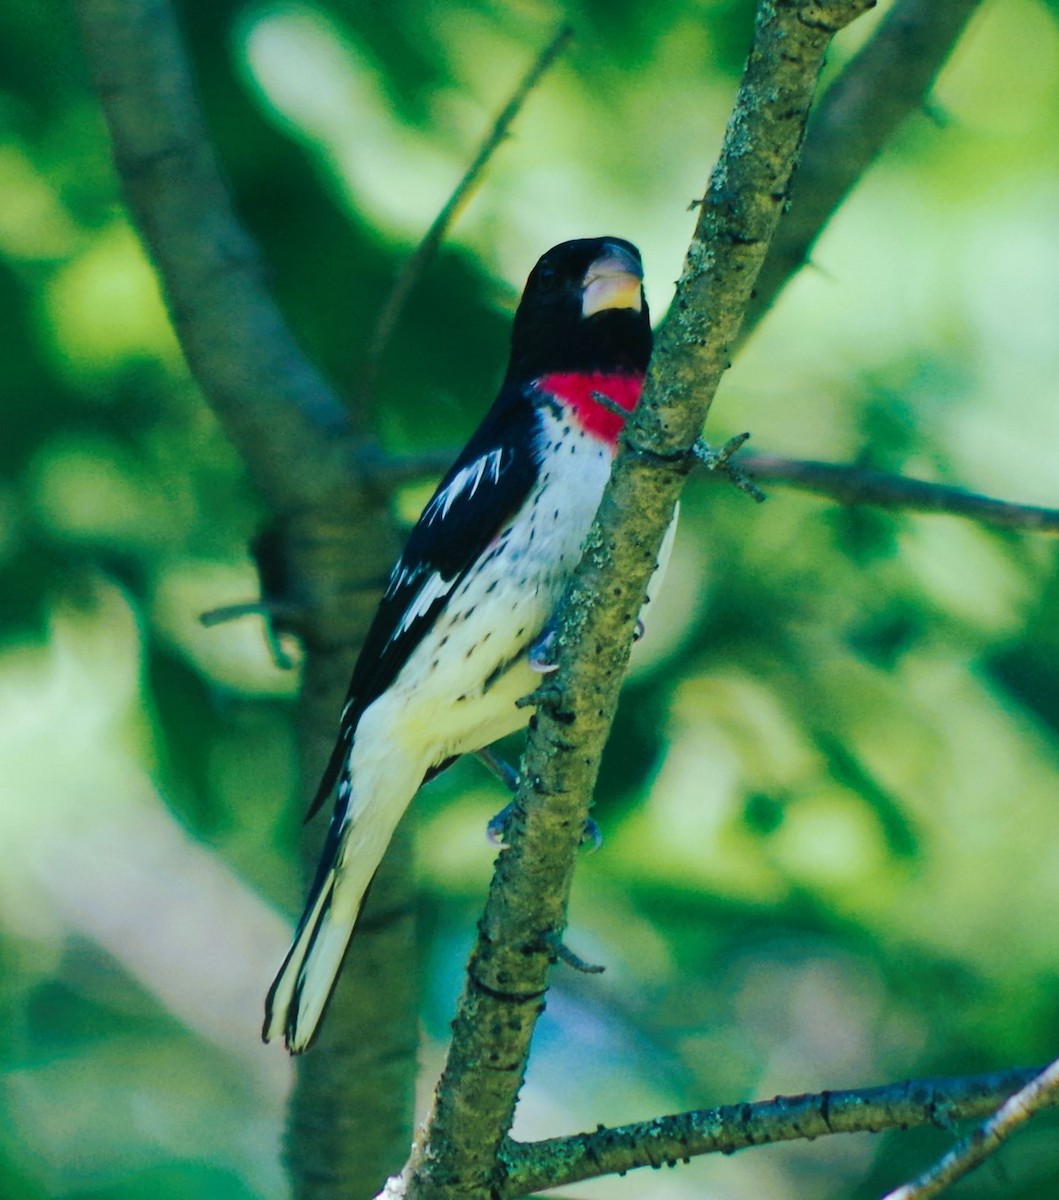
x: 356, y: 842
x: 306, y: 980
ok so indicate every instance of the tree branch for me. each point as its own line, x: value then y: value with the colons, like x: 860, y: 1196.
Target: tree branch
x: 526, y: 910
x: 879, y: 87
x: 331, y: 545
x: 274, y: 405
x: 682, y: 1136
x: 1042, y: 1091
x: 413, y: 269
x: 849, y: 483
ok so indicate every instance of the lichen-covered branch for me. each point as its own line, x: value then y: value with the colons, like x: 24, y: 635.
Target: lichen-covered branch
x: 888, y: 79
x: 681, y: 1136
x: 525, y: 916
x: 1041, y: 1091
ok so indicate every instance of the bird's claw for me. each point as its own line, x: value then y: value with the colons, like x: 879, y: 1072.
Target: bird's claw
x: 639, y: 631
x: 592, y: 835
x: 496, y: 830
x: 541, y: 652
x: 497, y: 826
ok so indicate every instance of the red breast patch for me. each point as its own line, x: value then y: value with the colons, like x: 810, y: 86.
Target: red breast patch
x: 578, y: 391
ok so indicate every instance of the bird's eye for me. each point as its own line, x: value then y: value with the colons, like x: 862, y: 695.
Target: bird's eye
x: 547, y: 277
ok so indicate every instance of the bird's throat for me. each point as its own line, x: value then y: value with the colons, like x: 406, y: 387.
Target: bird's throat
x: 581, y: 394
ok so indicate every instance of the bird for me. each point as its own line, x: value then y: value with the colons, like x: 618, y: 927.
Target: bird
x: 465, y: 626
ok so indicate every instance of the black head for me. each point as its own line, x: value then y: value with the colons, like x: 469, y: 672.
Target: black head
x: 583, y: 309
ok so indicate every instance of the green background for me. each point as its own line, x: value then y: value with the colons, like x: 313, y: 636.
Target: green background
x: 830, y: 803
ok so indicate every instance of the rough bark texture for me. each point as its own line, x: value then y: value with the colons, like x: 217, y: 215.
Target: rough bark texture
x: 525, y: 915
x: 672, y: 1139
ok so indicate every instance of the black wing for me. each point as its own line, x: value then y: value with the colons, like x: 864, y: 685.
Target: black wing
x: 484, y: 488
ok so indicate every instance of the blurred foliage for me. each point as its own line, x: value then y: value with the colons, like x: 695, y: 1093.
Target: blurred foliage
x: 830, y: 803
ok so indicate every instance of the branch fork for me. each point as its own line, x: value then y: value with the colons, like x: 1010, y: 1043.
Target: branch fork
x: 721, y: 461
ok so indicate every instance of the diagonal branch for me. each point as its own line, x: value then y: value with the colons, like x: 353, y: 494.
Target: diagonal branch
x: 413, y: 269
x: 1042, y: 1091
x: 526, y: 911
x: 877, y: 90
x: 273, y: 403
x: 681, y: 1136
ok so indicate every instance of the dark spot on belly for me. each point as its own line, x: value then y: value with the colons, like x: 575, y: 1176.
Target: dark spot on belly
x: 489, y: 590
x: 467, y: 614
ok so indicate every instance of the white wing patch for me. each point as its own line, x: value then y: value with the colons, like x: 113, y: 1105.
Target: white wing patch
x: 435, y: 588
x: 465, y: 482
x: 400, y: 577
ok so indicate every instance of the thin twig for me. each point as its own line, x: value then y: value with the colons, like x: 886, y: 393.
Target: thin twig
x: 849, y: 483
x: 721, y: 464
x: 557, y: 1162
x: 979, y: 1144
x: 413, y: 269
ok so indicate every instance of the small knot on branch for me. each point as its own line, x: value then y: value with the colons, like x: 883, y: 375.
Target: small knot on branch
x: 610, y: 404
x: 548, y: 696
x: 560, y: 952
x: 721, y: 460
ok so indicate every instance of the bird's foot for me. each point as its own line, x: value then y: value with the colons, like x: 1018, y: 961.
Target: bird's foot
x: 500, y: 767
x: 542, y: 652
x: 639, y: 631
x: 496, y: 829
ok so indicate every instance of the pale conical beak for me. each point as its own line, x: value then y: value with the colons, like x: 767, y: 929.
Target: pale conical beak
x: 614, y: 280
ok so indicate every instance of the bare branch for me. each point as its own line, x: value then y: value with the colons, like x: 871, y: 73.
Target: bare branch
x: 507, y: 976
x: 681, y: 1136
x: 886, y: 81
x: 413, y: 269
x: 1040, y: 1092
x: 849, y: 483
x: 275, y: 406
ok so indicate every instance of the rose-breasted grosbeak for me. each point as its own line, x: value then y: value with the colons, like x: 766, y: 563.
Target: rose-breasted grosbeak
x: 462, y: 630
